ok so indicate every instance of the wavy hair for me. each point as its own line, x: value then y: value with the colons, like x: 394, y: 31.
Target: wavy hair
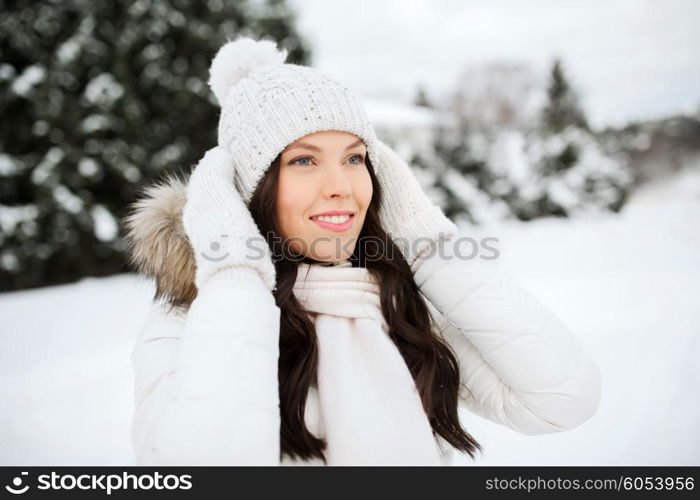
x: 428, y: 357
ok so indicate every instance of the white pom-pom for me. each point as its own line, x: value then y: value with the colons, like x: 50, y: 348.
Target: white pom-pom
x: 237, y: 58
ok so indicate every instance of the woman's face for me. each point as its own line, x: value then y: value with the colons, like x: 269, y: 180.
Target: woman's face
x: 323, y: 172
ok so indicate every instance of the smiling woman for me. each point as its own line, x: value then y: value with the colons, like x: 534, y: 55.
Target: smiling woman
x: 321, y: 205
x: 359, y: 345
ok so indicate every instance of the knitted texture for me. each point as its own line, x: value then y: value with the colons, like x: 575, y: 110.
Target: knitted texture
x: 412, y: 220
x: 266, y: 105
x: 218, y: 224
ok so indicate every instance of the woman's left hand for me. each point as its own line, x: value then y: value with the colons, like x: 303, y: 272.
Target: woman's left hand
x: 412, y: 220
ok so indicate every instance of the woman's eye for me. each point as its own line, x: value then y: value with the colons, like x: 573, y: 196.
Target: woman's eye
x: 300, y: 159
x: 361, y: 159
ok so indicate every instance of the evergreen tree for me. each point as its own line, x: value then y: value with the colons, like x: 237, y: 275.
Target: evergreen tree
x: 97, y: 99
x: 559, y: 168
x: 562, y: 174
x: 460, y: 176
x: 421, y: 98
x: 562, y: 108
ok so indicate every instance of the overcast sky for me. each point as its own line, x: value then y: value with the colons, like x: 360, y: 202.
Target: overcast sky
x: 627, y: 58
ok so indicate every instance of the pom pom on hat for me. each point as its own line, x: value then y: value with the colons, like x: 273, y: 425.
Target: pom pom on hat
x: 237, y: 58
x: 266, y: 104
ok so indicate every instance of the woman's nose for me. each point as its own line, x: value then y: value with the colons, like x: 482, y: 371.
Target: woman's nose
x: 336, y: 183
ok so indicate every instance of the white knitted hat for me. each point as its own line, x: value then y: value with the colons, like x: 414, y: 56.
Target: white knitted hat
x: 267, y: 104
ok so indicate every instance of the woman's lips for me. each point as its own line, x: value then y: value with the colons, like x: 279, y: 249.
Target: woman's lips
x: 338, y: 228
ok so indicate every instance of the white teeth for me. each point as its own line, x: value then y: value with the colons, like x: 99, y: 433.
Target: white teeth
x: 335, y: 219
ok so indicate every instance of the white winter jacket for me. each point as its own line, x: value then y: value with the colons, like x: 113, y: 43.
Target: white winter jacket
x: 206, y: 389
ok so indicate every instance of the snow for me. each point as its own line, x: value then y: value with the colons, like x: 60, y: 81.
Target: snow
x: 88, y: 167
x: 170, y: 153
x: 11, y: 216
x: 65, y: 373
x: 560, y: 192
x: 103, y: 90
x: 506, y: 156
x: 106, y: 228
x: 31, y: 76
x: 93, y: 123
x: 8, y: 165
x: 627, y: 284
x: 67, y: 200
x: 68, y: 51
x: 393, y: 113
x: 9, y: 262
x: 7, y: 71
x: 481, y: 207
x: 43, y: 170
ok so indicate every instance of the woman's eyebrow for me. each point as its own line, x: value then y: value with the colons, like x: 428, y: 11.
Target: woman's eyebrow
x: 316, y: 148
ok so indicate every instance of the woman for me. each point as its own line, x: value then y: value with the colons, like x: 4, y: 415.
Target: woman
x: 310, y: 308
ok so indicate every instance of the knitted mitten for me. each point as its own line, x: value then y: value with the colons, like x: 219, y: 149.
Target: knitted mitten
x: 406, y: 212
x: 218, y: 223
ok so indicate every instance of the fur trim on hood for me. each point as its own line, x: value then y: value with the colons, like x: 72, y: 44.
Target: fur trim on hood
x: 158, y: 246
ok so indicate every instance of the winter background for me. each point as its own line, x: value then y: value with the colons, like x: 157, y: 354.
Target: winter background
x: 568, y: 130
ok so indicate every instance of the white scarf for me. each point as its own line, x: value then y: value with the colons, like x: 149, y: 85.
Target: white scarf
x: 370, y: 404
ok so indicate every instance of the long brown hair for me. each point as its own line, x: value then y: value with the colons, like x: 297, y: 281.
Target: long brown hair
x: 429, y: 358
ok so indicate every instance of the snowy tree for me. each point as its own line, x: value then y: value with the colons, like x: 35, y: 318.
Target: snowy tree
x: 563, y: 174
x: 575, y: 175
x: 455, y: 175
x: 571, y: 170
x: 421, y: 98
x: 562, y: 108
x: 496, y: 166
x: 97, y: 99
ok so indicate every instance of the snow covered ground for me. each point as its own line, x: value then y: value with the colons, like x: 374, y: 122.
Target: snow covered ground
x: 628, y: 284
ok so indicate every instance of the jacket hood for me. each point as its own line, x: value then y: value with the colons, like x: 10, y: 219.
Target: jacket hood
x: 158, y: 246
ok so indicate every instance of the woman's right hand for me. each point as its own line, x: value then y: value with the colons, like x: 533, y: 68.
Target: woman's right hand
x: 217, y: 222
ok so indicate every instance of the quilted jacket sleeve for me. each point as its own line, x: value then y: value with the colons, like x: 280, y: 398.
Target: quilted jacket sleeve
x: 520, y: 366
x: 206, y: 388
